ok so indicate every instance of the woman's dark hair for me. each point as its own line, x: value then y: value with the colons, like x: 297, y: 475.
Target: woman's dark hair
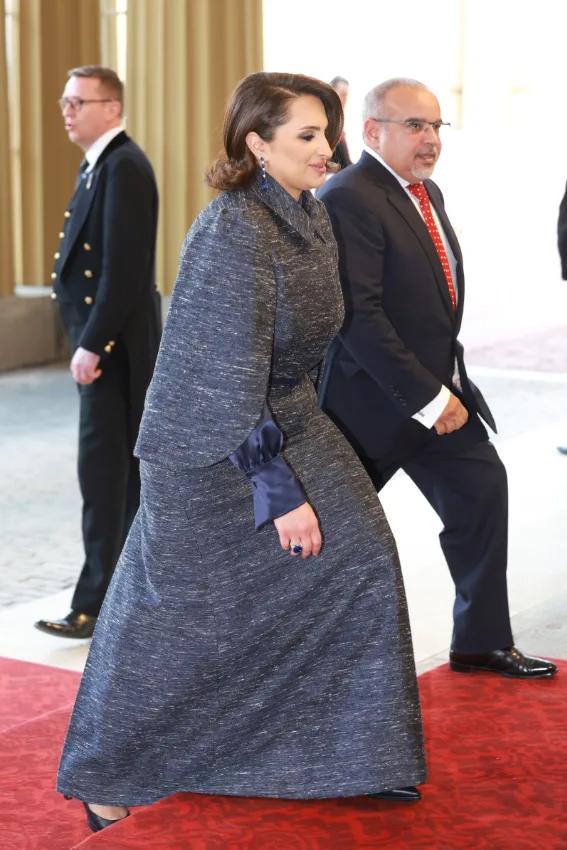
x: 260, y: 103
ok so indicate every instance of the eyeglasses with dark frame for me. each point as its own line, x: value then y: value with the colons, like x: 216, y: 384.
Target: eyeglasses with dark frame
x: 77, y: 103
x: 414, y: 125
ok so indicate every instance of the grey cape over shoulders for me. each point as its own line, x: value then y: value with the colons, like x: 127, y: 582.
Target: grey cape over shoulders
x: 219, y: 663
x: 224, y: 311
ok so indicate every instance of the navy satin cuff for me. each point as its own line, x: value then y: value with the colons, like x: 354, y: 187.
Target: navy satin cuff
x: 263, y: 444
x: 276, y: 490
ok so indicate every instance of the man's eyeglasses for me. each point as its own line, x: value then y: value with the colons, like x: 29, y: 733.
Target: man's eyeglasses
x: 77, y: 103
x: 414, y: 125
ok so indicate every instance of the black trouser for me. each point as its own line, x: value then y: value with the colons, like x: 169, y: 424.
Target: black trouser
x: 468, y: 490
x: 108, y: 477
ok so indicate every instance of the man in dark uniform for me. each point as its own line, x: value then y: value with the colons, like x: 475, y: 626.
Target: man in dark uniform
x: 104, y: 285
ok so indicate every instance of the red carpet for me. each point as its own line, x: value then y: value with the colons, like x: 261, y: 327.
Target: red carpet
x: 35, y: 703
x: 497, y: 752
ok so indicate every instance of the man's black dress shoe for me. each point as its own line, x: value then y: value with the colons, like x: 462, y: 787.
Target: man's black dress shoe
x: 508, y: 662
x: 398, y: 795
x: 74, y: 625
x: 96, y: 823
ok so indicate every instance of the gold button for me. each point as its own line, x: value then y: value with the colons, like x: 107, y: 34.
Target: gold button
x: 108, y: 348
x: 88, y: 299
x: 87, y: 247
x: 88, y: 273
x: 53, y: 276
x: 67, y: 214
x: 111, y: 342
x: 61, y: 234
x: 56, y: 255
x: 53, y: 296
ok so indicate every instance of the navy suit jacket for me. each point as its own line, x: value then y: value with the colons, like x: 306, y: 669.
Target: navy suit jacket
x: 399, y: 343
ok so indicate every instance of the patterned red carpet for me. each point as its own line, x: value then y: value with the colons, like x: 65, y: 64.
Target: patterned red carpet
x: 497, y: 753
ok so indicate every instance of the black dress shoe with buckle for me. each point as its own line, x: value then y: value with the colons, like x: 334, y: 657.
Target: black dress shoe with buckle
x: 74, y: 625
x: 507, y: 662
x: 410, y: 794
x: 96, y: 822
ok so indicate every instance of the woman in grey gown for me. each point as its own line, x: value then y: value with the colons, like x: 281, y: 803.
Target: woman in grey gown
x: 255, y: 637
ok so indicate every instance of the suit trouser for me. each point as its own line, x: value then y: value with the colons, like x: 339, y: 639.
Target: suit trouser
x: 108, y: 477
x: 468, y: 490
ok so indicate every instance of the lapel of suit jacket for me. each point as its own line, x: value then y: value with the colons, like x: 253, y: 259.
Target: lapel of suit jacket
x: 83, y: 197
x: 403, y: 204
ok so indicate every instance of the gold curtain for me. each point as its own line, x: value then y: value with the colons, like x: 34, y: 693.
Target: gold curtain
x: 184, y: 59
x: 6, y: 232
x: 53, y: 37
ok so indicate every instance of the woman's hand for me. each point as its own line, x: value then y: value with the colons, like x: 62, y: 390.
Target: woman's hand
x: 299, y: 530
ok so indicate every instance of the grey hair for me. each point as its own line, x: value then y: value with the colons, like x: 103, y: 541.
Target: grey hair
x: 374, y: 100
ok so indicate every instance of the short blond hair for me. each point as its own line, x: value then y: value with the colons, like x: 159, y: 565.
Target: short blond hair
x: 109, y: 80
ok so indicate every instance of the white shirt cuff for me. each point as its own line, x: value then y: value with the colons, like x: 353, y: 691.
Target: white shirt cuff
x: 428, y: 415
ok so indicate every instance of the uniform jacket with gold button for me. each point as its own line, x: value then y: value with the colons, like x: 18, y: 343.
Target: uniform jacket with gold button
x: 104, y: 273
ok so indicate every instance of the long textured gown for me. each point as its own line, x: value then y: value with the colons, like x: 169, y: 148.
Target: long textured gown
x: 220, y: 664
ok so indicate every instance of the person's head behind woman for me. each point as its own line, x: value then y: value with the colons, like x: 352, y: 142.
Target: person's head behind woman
x: 291, y: 121
x: 341, y: 85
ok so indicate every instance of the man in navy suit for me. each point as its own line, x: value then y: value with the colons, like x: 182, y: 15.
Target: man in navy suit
x: 104, y: 285
x: 395, y: 379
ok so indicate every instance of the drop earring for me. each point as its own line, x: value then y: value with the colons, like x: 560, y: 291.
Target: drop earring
x: 264, y: 183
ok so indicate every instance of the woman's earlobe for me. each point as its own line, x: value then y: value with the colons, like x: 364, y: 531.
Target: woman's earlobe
x: 254, y: 144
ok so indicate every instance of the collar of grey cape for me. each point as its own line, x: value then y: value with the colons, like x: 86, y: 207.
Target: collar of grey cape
x: 306, y: 215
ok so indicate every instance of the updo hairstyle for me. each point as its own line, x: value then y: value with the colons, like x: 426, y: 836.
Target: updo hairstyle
x: 261, y: 103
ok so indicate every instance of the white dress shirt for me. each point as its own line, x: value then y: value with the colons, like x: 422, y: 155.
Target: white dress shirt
x: 97, y: 147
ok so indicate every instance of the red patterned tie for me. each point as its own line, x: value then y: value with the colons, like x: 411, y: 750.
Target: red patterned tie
x: 419, y: 191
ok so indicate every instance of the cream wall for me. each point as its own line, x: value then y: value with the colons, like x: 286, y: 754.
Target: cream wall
x: 497, y: 67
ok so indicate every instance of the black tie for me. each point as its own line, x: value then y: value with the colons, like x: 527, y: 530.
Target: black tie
x: 82, y: 175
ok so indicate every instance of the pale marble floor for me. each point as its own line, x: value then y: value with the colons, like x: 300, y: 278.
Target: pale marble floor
x: 40, y: 521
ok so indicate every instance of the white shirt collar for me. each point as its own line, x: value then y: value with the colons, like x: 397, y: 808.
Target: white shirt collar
x: 403, y: 183
x: 97, y: 147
